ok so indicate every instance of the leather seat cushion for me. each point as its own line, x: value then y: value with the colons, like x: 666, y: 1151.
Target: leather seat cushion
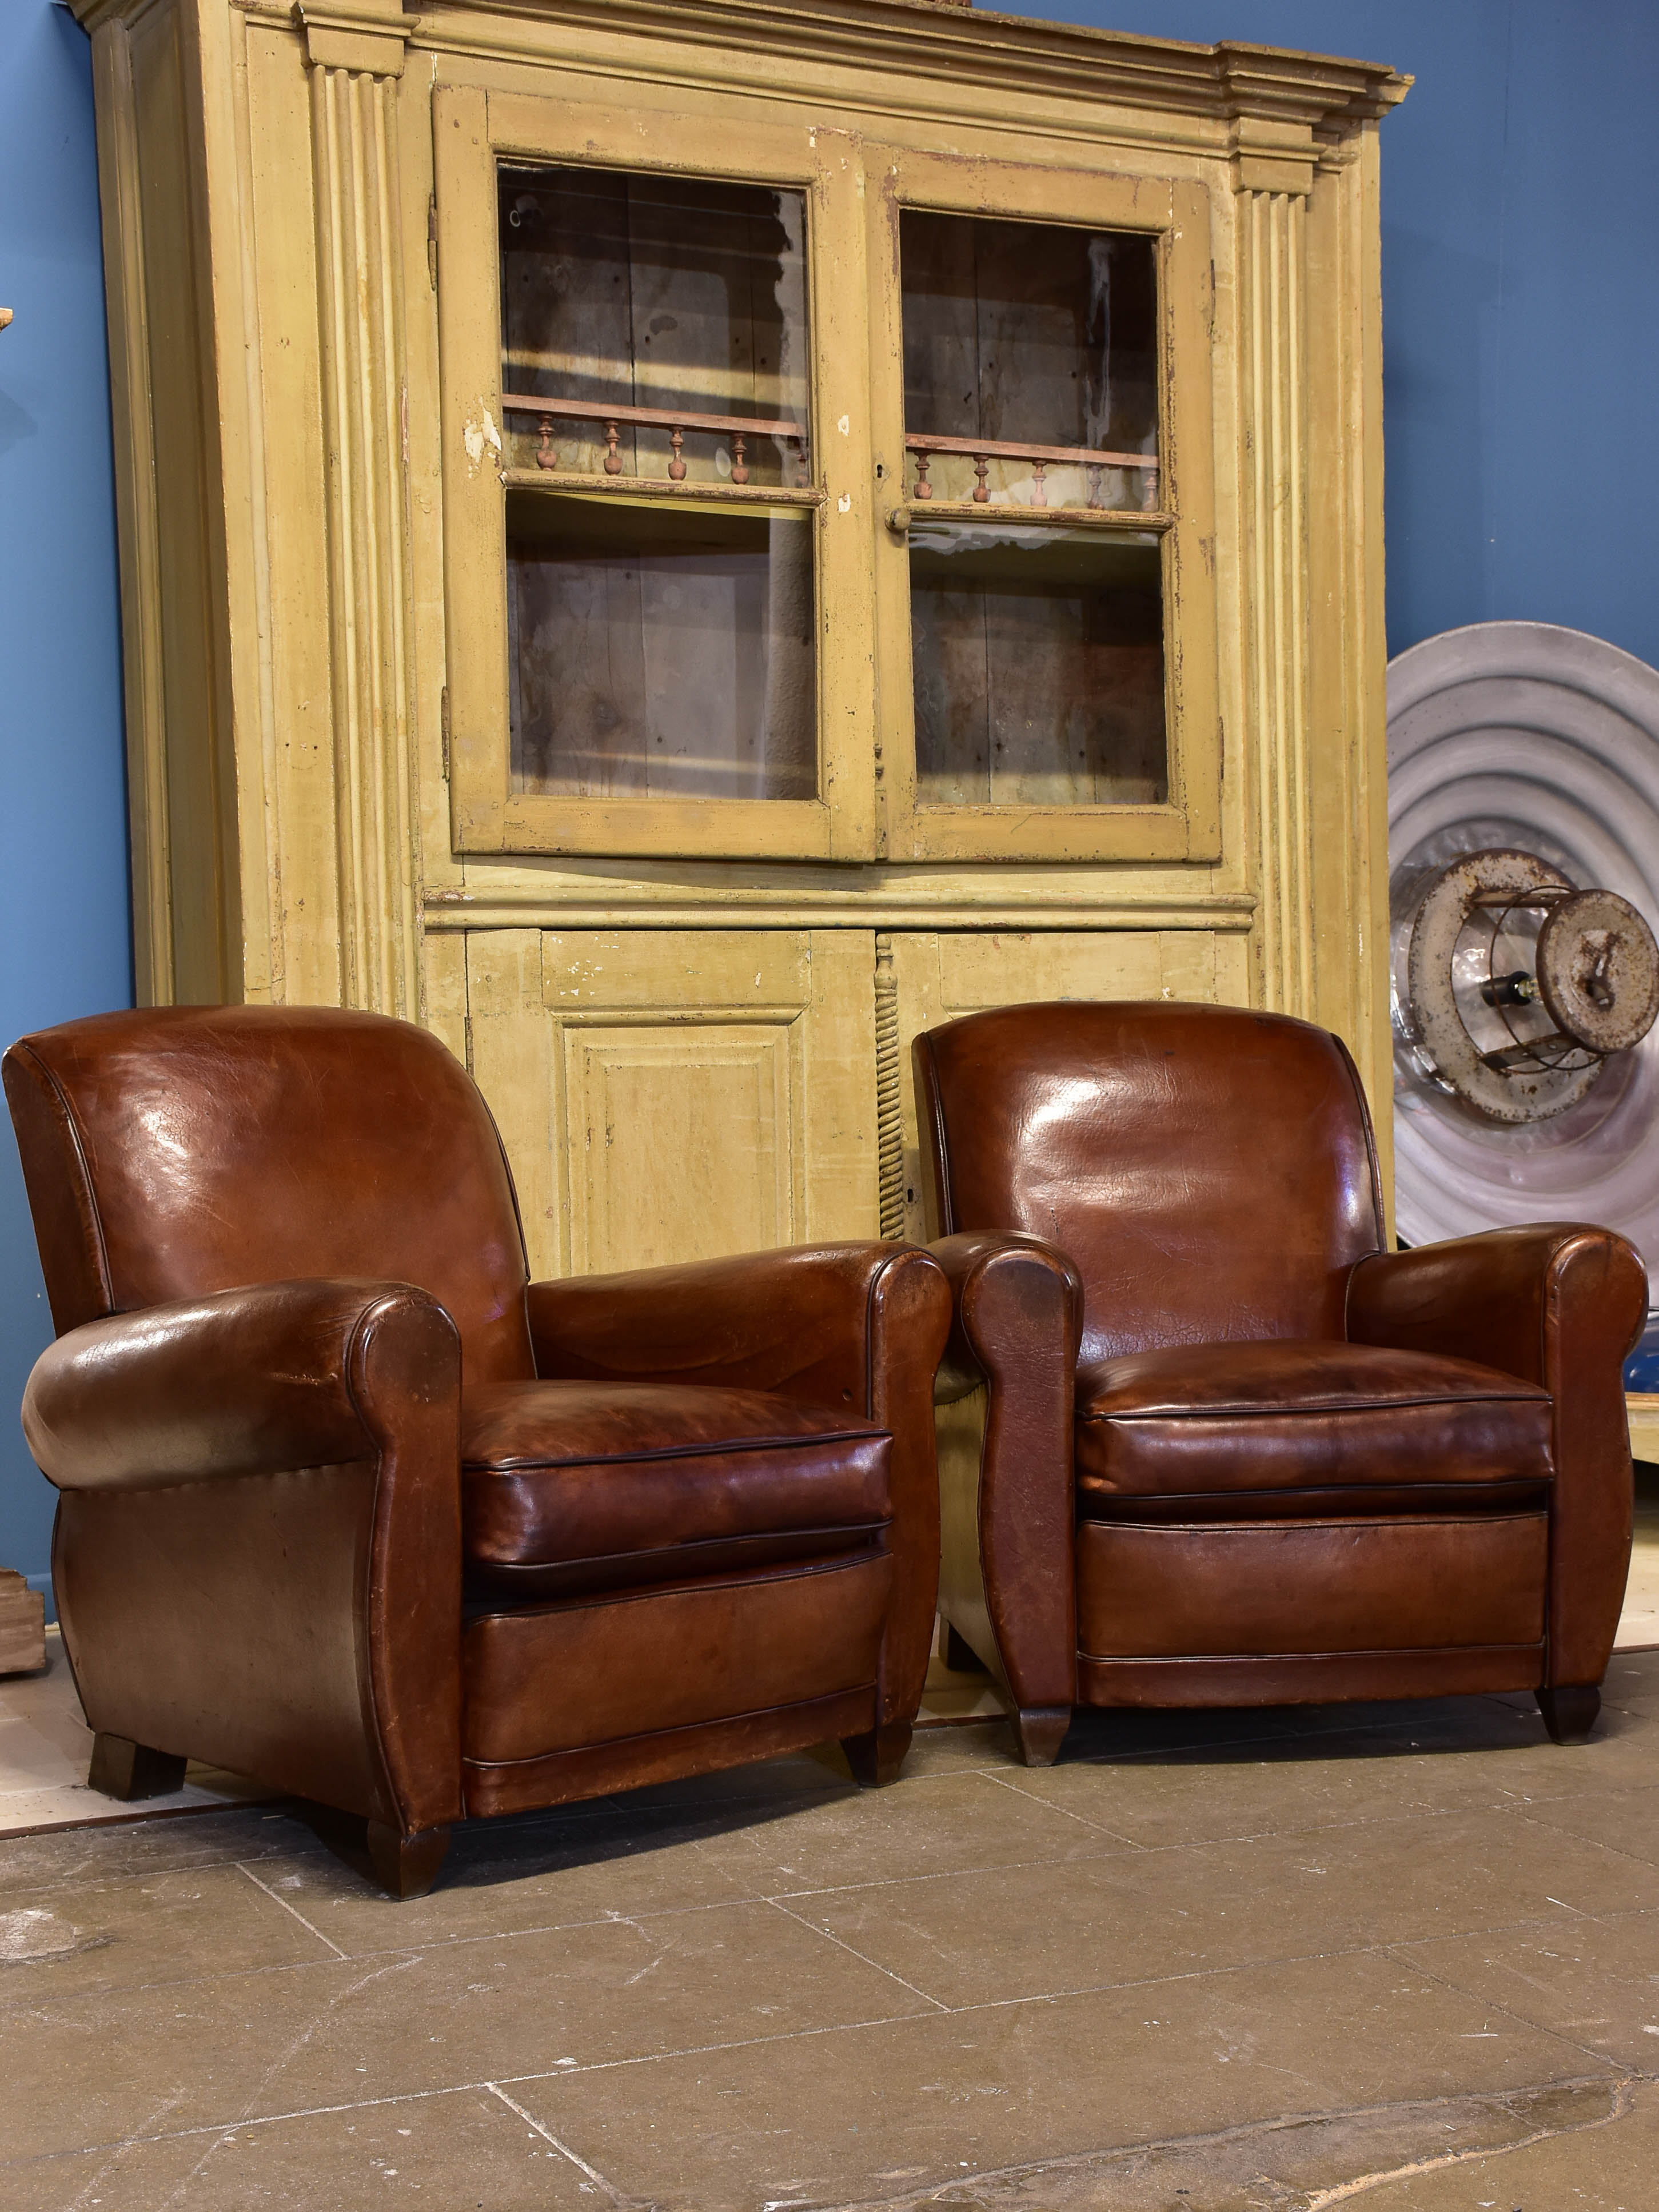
x: 1285, y: 1415
x: 570, y: 1487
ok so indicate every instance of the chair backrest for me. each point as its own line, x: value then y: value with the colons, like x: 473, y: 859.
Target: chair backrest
x: 1210, y: 1172
x: 177, y: 1150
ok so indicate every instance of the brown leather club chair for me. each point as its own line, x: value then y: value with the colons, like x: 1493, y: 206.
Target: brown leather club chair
x: 351, y: 1505
x: 1203, y: 1439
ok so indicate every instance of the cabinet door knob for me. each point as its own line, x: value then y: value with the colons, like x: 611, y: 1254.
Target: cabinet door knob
x: 898, y: 520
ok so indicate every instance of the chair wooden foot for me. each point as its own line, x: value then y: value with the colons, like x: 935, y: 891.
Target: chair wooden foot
x: 960, y: 1655
x: 1039, y: 1731
x: 405, y: 1866
x: 132, y: 1771
x: 1569, y: 1713
x: 876, y: 1757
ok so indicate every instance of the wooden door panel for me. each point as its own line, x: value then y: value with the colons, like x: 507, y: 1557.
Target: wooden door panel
x: 672, y: 1096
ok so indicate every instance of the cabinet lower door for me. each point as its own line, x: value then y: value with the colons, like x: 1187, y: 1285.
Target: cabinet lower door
x: 669, y: 1095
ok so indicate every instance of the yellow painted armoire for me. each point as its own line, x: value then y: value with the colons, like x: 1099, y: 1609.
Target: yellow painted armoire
x: 680, y: 541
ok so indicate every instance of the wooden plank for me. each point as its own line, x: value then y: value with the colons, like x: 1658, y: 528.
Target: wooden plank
x: 1642, y: 1408
x: 22, y: 1626
x: 579, y: 411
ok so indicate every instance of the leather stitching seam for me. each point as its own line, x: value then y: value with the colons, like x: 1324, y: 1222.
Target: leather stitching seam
x: 681, y: 1728
x: 648, y: 1453
x: 61, y: 1096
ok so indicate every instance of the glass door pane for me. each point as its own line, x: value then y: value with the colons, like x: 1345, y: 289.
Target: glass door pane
x: 660, y: 585
x: 658, y: 652
x: 1031, y: 410
x: 626, y: 298
x: 1038, y: 666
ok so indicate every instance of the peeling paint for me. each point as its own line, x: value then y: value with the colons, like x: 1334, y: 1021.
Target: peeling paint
x: 478, y: 432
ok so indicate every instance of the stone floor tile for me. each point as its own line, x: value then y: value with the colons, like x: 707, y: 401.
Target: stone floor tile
x: 960, y: 1750
x: 1304, y: 1782
x: 1595, y: 1980
x: 54, y: 1858
x: 1606, y: 2166
x: 974, y: 1938
x: 243, y: 2045
x: 132, y: 2176
x: 546, y: 1871
x: 1290, y: 2162
x: 149, y: 1930
x: 943, y: 1823
x: 1623, y: 1820
x: 451, y: 2151
x: 882, y: 2112
x: 1632, y: 1683
x: 1623, y: 1752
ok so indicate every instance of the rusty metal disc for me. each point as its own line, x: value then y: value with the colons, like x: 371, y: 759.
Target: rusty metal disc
x: 1598, y: 970
x: 1526, y: 737
x: 1500, y: 1066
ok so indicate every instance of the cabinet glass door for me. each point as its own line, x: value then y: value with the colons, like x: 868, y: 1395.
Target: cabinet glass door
x: 655, y: 334
x: 1030, y: 389
x: 658, y: 543
x: 1040, y: 530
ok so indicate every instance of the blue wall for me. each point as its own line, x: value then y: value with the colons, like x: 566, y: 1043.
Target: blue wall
x: 1520, y: 295
x: 64, y: 938
x: 1521, y: 312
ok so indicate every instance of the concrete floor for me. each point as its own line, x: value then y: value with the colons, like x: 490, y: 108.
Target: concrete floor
x: 1222, y: 1963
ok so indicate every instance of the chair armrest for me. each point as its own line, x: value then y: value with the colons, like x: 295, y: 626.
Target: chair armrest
x: 988, y: 1288
x: 1558, y: 1304
x: 1505, y: 1298
x: 859, y: 1325
x: 1006, y: 1466
x: 799, y: 1322
x: 243, y: 1381
x: 257, y: 1554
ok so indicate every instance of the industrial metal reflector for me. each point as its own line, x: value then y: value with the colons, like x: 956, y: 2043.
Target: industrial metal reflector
x: 1523, y: 852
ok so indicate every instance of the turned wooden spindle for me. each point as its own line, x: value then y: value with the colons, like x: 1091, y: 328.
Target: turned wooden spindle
x: 803, y: 474
x: 739, y: 466
x: 924, y: 489
x: 1039, y: 483
x: 677, y: 467
x: 982, y: 469
x: 546, y: 458
x: 1148, y: 489
x: 1094, y: 487
x: 612, y: 458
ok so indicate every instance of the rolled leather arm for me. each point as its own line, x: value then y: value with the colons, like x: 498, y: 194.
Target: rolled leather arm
x: 1560, y: 1304
x: 258, y: 1553
x: 800, y: 1321
x: 1017, y: 1323
x: 983, y: 1270
x: 858, y: 1326
x: 1502, y: 1297
x: 243, y: 1381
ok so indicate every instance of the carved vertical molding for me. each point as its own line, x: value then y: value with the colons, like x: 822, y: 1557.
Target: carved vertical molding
x: 1272, y: 291
x: 889, y: 1106
x: 137, y: 518
x: 353, y: 133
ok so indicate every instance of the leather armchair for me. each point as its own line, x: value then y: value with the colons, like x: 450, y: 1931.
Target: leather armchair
x: 349, y: 1504
x: 1205, y: 1441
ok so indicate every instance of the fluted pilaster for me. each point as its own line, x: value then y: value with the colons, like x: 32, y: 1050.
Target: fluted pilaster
x: 354, y: 131
x: 1272, y: 364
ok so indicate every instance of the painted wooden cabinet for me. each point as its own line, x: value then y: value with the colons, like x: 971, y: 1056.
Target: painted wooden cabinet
x: 680, y: 546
